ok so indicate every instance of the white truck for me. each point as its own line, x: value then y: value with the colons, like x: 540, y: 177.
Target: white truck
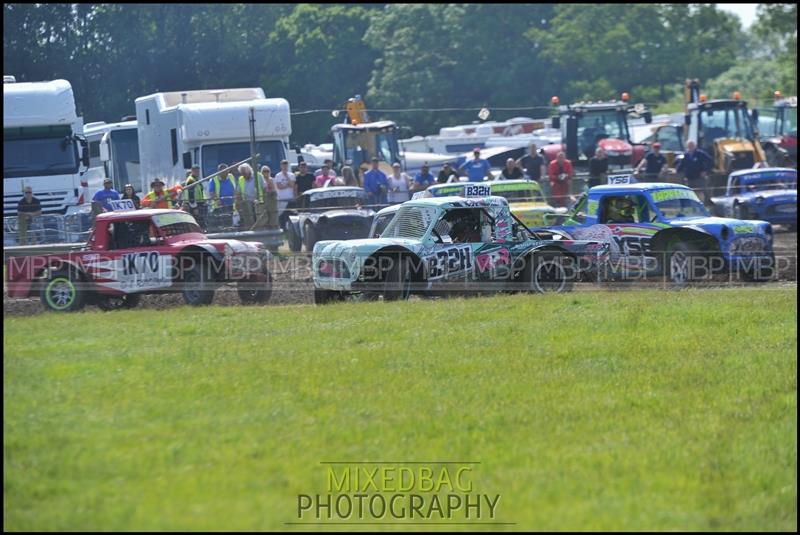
x: 208, y: 127
x: 44, y: 148
x: 113, y: 153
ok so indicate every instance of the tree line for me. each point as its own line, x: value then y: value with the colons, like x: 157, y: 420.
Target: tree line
x: 398, y: 56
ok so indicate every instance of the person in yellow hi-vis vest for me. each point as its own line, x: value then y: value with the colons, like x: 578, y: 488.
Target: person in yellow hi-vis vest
x: 249, y: 193
x: 157, y: 198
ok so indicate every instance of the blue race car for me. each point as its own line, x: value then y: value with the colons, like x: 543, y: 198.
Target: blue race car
x: 769, y: 194
x: 663, y: 229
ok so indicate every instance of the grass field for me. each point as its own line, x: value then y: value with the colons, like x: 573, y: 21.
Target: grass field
x: 644, y: 410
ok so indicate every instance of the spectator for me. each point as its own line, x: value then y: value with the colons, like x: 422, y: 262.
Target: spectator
x: 194, y: 197
x: 510, y: 171
x: 249, y: 191
x: 324, y: 176
x: 327, y: 164
x: 349, y: 177
x: 286, y: 184
x: 533, y: 166
x: 376, y: 183
x: 28, y: 208
x: 694, y: 166
x: 446, y: 172
x: 267, y: 213
x: 598, y: 168
x: 561, y: 173
x: 477, y: 168
x: 157, y: 197
x: 303, y: 179
x: 423, y: 179
x: 100, y: 199
x: 129, y: 193
x: 221, y: 188
x: 653, y: 163
x: 398, y: 185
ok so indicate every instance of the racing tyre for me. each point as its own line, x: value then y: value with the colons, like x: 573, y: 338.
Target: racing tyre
x: 198, y: 288
x: 397, y: 280
x: 323, y: 297
x: 681, y: 265
x: 295, y: 243
x: 739, y: 212
x: 547, y: 272
x: 310, y: 238
x: 255, y: 292
x: 118, y: 302
x: 62, y: 293
x: 760, y: 272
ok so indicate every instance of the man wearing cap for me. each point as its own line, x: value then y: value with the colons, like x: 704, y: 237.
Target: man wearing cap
x: 653, y: 163
x: 445, y: 173
x: 376, y: 183
x: 477, y: 168
x: 28, y: 208
x: 157, y: 198
x: 100, y: 199
x: 423, y: 179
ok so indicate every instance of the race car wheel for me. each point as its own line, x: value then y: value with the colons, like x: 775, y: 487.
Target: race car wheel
x: 323, y: 297
x: 679, y: 264
x: 547, y: 273
x: 255, y: 292
x: 759, y: 271
x: 397, y: 280
x: 198, y: 288
x: 118, y: 302
x: 310, y: 238
x: 62, y: 292
x: 739, y: 212
x: 295, y: 243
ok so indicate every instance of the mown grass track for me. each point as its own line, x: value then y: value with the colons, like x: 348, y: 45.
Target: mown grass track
x: 644, y: 410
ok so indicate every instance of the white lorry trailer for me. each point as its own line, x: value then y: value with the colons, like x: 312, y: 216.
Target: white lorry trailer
x: 44, y: 148
x: 208, y: 127
x: 113, y: 153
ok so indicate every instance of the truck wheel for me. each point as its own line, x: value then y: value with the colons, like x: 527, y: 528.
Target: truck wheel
x: 255, y: 293
x: 62, y: 292
x: 739, y: 212
x: 397, y: 281
x: 197, y: 289
x: 323, y: 297
x: 295, y: 243
x: 679, y: 264
x: 547, y: 273
x: 310, y: 238
x: 118, y: 302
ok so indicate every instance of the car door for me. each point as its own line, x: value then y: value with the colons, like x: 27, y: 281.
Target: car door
x: 455, y: 234
x: 140, y: 263
x: 630, y: 237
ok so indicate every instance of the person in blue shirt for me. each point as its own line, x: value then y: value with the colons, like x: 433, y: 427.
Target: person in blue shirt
x: 694, y: 166
x: 477, y: 168
x: 376, y: 183
x: 221, y: 188
x: 101, y: 198
x: 423, y: 179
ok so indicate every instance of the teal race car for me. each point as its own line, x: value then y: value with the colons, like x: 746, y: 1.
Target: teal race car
x: 453, y: 244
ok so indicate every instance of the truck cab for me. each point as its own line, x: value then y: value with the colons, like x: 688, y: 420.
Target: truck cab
x: 44, y: 148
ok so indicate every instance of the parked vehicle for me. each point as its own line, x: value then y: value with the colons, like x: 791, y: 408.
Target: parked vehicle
x: 769, y: 194
x: 777, y: 131
x: 44, y: 148
x: 452, y: 243
x: 135, y: 252
x: 663, y: 229
x: 333, y: 213
x: 114, y: 154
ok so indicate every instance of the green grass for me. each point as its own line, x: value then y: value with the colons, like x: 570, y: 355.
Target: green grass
x: 644, y: 410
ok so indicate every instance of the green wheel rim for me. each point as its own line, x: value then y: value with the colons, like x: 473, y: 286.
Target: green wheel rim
x: 60, y: 293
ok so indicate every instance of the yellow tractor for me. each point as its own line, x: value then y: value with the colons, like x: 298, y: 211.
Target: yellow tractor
x: 725, y: 130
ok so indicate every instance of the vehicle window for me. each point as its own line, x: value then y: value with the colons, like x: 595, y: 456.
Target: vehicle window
x: 578, y: 214
x: 381, y: 222
x: 177, y: 223
x: 349, y: 200
x: 725, y: 123
x: 527, y: 193
x: 271, y: 153
x: 669, y: 138
x: 411, y: 222
x: 39, y: 151
x: 624, y: 209
x: 464, y: 225
x: 129, y: 234
x: 678, y: 203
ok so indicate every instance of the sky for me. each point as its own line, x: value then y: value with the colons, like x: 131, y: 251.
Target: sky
x: 746, y: 12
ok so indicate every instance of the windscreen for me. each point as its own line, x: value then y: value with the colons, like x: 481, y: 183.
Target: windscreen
x: 125, y: 147
x: 230, y: 153
x: 44, y: 151
x: 679, y: 203
x: 173, y: 224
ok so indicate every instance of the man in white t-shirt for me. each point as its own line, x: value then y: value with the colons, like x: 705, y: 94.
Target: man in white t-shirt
x: 286, y: 184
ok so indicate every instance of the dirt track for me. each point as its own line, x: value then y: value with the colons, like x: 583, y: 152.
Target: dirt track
x: 292, y: 284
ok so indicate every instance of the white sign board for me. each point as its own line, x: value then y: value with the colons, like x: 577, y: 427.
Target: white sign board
x: 122, y: 204
x: 621, y: 179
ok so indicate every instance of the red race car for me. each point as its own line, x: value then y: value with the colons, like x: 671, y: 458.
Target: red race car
x: 130, y: 253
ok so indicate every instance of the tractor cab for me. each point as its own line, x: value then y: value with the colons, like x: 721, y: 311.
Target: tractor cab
x: 777, y: 130
x: 357, y: 144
